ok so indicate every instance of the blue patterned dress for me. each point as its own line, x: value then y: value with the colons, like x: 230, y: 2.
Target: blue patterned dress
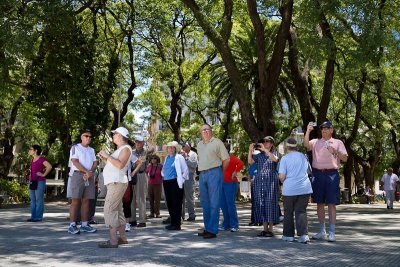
x: 266, y: 184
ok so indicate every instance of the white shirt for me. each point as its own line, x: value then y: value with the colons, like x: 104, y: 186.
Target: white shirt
x: 389, y: 181
x: 111, y: 173
x: 85, y: 155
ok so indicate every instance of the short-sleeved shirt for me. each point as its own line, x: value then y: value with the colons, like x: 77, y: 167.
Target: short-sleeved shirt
x: 85, y: 155
x: 235, y: 165
x: 37, y: 166
x: 211, y: 154
x: 389, y: 181
x: 322, y: 158
x: 294, y: 165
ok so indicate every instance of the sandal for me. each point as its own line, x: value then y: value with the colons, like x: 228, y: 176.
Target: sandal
x: 269, y: 234
x: 262, y: 233
x: 107, y: 244
x: 122, y: 242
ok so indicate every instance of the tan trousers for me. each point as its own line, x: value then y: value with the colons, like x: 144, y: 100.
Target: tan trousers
x: 113, y: 212
x: 139, y: 198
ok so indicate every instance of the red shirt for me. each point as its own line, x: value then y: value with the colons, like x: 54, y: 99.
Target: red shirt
x: 154, y: 173
x: 235, y: 165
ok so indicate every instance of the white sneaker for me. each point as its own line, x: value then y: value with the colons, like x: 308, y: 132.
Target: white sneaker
x: 288, y: 238
x: 127, y: 227
x: 331, y: 237
x: 234, y: 229
x: 320, y: 236
x: 303, y: 239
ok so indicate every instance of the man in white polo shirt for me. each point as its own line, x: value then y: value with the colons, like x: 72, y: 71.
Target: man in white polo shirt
x: 83, y: 165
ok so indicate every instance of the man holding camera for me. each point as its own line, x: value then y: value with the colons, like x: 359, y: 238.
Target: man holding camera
x: 327, y: 153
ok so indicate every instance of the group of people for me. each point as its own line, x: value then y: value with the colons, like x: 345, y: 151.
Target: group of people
x: 131, y: 173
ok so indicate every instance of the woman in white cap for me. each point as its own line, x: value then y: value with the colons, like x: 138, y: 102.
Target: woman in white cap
x: 296, y: 192
x: 116, y: 180
x: 174, y: 172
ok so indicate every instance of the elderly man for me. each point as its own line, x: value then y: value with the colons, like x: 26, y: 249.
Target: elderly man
x: 191, y: 162
x: 389, y: 181
x: 327, y: 153
x: 213, y: 160
x: 140, y: 188
x: 83, y: 164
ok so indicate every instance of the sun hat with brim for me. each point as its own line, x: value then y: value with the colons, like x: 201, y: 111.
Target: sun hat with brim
x: 174, y: 144
x: 326, y: 124
x: 122, y: 131
x: 269, y: 138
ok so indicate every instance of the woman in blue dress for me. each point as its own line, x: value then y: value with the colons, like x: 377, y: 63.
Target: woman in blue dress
x: 266, y: 207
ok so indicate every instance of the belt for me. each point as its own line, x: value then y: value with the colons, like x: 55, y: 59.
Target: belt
x: 79, y: 171
x: 141, y: 171
x: 326, y: 170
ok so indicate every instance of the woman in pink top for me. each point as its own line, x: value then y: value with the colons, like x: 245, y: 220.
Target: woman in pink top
x: 153, y: 171
x: 37, y: 182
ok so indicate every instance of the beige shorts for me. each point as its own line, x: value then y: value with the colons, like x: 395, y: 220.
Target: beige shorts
x: 113, y: 212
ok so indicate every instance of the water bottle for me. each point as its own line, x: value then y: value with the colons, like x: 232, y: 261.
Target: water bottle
x: 87, y: 182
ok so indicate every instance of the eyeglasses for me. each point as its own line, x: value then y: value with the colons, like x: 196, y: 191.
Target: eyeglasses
x: 87, y: 136
x: 206, y: 130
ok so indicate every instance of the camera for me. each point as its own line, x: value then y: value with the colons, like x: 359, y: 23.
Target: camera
x: 314, y: 124
x: 256, y: 145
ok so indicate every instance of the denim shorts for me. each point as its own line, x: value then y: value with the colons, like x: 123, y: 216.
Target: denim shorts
x: 326, y: 187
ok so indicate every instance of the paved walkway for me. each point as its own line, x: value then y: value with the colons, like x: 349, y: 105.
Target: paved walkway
x: 368, y: 235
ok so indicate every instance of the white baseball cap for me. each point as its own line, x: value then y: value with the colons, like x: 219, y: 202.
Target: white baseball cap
x: 122, y: 131
x: 139, y: 138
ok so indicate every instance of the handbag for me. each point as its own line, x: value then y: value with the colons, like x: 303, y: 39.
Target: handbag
x: 33, y: 185
x: 127, y: 195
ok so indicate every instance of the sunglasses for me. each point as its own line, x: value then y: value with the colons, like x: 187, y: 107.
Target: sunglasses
x: 206, y: 130
x: 87, y: 136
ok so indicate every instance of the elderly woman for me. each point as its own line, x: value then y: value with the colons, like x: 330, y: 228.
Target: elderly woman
x: 296, y: 191
x: 153, y: 171
x: 266, y: 207
x: 174, y: 172
x: 116, y: 181
x: 40, y: 168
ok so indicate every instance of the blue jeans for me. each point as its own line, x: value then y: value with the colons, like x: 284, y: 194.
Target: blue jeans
x: 37, y: 201
x: 228, y: 205
x: 210, y: 185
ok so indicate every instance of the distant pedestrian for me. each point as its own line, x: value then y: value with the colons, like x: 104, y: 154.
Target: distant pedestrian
x: 40, y: 168
x: 213, y: 161
x: 389, y: 181
x: 296, y: 192
x: 192, y: 161
x: 154, y: 185
x: 327, y: 153
x: 266, y: 206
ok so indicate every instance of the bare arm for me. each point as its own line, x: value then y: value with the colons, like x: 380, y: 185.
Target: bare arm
x: 250, y: 159
x: 282, y: 177
x: 225, y: 164
x: 122, y: 159
x: 48, y: 168
x: 310, y: 127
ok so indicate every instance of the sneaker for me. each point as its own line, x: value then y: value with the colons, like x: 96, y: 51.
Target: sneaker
x: 288, y: 238
x: 234, y: 229
x: 127, y: 227
x: 331, y: 237
x: 303, y: 239
x: 88, y: 229
x: 73, y: 229
x: 320, y: 236
x: 222, y: 228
